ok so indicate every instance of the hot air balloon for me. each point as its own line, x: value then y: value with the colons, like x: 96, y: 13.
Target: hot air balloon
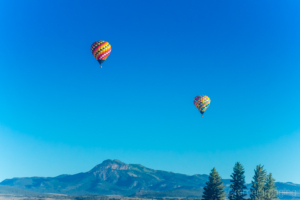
x: 202, y: 102
x: 101, y: 51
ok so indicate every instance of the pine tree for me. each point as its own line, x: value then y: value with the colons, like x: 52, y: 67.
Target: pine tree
x: 214, y: 187
x: 258, y: 183
x: 238, y: 184
x: 270, y: 188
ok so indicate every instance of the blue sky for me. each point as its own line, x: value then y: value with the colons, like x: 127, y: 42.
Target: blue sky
x: 61, y: 114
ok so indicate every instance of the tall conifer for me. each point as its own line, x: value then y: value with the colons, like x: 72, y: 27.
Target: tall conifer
x: 214, y: 187
x: 258, y: 183
x: 270, y: 188
x: 238, y: 184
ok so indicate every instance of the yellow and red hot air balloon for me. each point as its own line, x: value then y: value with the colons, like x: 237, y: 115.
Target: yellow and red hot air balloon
x: 202, y: 102
x: 101, y: 50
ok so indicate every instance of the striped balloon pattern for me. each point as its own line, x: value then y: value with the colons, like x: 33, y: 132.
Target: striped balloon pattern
x: 101, y: 50
x: 202, y: 102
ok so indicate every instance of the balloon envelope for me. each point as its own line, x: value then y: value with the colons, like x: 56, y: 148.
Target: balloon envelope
x: 202, y: 102
x: 101, y: 50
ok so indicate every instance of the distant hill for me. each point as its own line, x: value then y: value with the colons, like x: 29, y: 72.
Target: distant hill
x: 11, y: 190
x: 113, y: 177
x: 8, y: 191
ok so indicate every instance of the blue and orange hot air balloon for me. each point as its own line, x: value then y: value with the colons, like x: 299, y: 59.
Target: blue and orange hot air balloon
x: 101, y: 50
x: 202, y: 102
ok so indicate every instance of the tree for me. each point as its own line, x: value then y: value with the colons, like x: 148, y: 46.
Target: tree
x: 258, y: 183
x: 214, y: 187
x: 238, y: 184
x: 270, y: 188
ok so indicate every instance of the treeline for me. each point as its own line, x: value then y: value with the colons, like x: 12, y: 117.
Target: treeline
x: 262, y: 188
x: 92, y: 198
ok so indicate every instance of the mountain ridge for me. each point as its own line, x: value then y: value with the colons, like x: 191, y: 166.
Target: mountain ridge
x: 114, y: 177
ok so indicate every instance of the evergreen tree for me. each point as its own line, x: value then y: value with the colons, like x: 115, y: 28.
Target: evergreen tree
x: 258, y: 183
x: 270, y: 188
x: 214, y: 187
x: 238, y: 184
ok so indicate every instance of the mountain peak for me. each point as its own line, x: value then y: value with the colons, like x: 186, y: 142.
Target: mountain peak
x: 111, y: 164
x: 118, y: 161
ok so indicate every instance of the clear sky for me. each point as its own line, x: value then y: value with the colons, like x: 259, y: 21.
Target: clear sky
x: 61, y: 114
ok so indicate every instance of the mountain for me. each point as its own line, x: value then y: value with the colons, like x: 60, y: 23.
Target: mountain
x: 113, y: 177
x: 108, y: 178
